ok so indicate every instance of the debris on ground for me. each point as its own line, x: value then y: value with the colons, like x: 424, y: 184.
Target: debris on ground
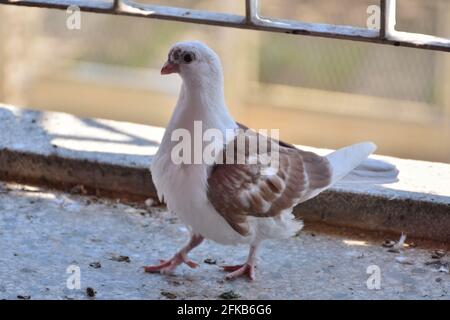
x: 444, y: 269
x: 23, y: 297
x: 388, y: 243
x: 395, y: 246
x: 25, y: 188
x: 438, y: 254
x: 440, y: 266
x: 101, y: 230
x: 210, y: 261
x: 404, y: 260
x: 229, y: 295
x: 401, y: 242
x: 132, y: 210
x: 150, y: 202
x: 79, y: 189
x: 121, y: 259
x: 169, y: 295
x: 175, y: 283
x: 95, y: 265
x: 437, y: 263
x: 411, y: 245
x: 90, y: 292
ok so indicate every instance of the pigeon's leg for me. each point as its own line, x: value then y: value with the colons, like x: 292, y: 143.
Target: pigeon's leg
x: 166, y: 267
x: 246, y: 269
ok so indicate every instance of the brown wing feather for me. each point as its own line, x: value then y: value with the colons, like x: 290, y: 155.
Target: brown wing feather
x: 281, y: 143
x: 238, y: 191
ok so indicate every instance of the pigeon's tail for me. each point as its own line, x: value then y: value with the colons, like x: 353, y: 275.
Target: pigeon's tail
x: 351, y: 165
x: 371, y: 171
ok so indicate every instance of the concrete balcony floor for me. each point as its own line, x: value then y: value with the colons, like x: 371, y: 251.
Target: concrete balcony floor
x: 43, y: 232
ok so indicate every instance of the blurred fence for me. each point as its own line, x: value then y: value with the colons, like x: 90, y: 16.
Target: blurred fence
x: 317, y: 91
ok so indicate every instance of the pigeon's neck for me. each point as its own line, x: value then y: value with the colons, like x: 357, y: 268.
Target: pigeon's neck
x: 202, y: 101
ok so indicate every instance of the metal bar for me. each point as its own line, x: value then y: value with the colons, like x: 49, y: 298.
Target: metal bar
x: 390, y: 16
x: 85, y: 5
x: 253, y: 21
x: 116, y: 5
x: 251, y: 10
x: 383, y: 19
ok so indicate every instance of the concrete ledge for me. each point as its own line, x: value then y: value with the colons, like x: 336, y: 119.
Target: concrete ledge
x: 104, y: 179
x: 112, y: 158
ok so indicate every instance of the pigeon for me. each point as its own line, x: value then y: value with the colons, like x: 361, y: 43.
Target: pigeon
x: 240, y: 202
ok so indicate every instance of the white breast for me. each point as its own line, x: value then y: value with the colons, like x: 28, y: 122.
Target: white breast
x: 184, y: 190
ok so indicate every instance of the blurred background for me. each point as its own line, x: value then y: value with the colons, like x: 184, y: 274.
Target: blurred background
x: 318, y: 92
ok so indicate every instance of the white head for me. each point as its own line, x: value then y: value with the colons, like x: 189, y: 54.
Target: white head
x: 193, y: 61
x: 202, y: 89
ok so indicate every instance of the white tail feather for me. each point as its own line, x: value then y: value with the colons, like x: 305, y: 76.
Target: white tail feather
x: 345, y: 160
x: 371, y: 171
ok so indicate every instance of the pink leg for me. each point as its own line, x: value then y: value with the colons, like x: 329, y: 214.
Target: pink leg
x: 246, y: 269
x: 167, y: 267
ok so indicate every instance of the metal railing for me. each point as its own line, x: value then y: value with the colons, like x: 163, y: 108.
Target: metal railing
x: 252, y: 20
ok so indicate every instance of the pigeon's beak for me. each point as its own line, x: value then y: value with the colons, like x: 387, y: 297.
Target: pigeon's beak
x: 170, y: 67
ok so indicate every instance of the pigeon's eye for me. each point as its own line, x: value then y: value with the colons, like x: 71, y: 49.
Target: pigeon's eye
x: 188, y: 57
x: 176, y: 54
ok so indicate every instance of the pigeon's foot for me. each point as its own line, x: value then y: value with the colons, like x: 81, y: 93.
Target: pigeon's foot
x: 168, y: 266
x: 247, y: 269
x: 243, y: 270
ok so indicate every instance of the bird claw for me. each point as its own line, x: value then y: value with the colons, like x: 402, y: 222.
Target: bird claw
x: 167, y: 266
x: 231, y: 268
x: 236, y: 271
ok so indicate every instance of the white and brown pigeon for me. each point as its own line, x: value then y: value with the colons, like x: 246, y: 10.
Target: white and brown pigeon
x: 240, y: 203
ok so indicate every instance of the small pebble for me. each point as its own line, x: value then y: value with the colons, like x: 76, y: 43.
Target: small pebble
x: 121, y: 259
x: 169, y: 295
x: 210, y: 261
x: 437, y: 254
x: 90, y: 292
x: 229, y: 295
x: 388, y: 243
x: 95, y: 265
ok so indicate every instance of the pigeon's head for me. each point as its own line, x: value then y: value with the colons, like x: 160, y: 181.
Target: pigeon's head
x: 192, y: 60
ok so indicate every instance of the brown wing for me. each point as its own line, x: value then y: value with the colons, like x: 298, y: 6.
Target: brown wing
x: 281, y: 143
x: 238, y: 191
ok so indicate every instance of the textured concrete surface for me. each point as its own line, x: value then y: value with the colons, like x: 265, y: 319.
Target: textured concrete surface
x: 64, y: 150
x: 109, y: 156
x: 44, y: 232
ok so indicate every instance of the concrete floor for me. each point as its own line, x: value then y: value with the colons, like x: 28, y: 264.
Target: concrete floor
x: 44, y: 232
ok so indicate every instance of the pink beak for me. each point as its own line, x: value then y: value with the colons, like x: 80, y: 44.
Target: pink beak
x: 170, y: 67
